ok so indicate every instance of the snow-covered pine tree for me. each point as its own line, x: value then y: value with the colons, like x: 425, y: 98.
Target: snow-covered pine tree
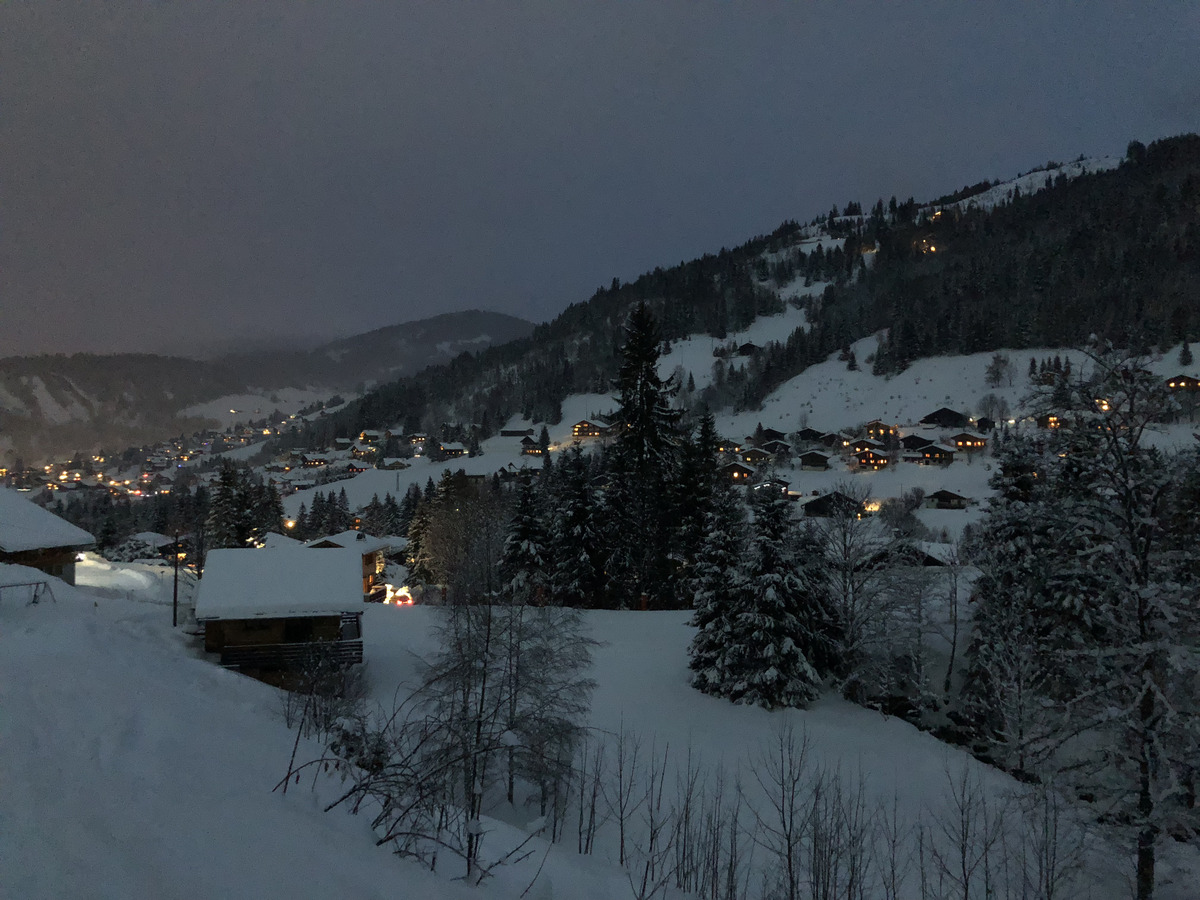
x: 716, y: 585
x: 226, y: 516
x: 577, y: 572
x: 524, y: 567
x: 764, y: 662
x: 1120, y: 599
x: 694, y: 491
x: 644, y: 466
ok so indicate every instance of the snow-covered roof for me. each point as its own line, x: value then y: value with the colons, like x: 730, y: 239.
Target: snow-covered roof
x: 249, y: 584
x: 26, y: 526
x: 153, y: 539
x: 274, y: 541
x: 356, y: 540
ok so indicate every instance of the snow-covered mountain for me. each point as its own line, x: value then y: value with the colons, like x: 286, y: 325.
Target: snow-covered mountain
x: 52, y: 406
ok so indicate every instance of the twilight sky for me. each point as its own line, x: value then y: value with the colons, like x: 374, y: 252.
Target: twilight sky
x: 188, y: 174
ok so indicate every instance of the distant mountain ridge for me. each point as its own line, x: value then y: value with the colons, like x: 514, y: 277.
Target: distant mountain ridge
x: 384, y: 354
x: 58, y: 404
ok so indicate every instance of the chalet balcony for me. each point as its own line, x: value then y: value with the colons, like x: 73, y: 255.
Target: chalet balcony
x: 293, y: 656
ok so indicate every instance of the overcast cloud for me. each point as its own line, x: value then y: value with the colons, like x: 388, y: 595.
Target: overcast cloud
x: 196, y: 172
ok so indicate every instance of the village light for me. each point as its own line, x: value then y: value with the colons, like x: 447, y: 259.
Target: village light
x: 290, y: 523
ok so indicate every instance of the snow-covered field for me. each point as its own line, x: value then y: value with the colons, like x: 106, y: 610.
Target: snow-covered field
x: 235, y: 408
x: 134, y: 767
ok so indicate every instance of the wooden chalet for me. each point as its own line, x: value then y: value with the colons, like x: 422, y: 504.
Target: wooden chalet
x: 35, y: 537
x: 946, y: 418
x: 861, y: 444
x: 969, y: 441
x: 516, y: 432
x: 1048, y: 420
x: 371, y: 549
x: 1184, y: 384
x: 737, y: 472
x: 418, y: 440
x: 946, y: 500
x: 530, y: 447
x: 342, y: 443
x: 776, y: 447
x: 756, y: 456
x: 872, y: 459
x: 392, y: 462
x: 370, y: 436
x: 915, y: 442
x: 814, y: 461
x: 936, y: 455
x: 724, y: 446
x: 452, y: 449
x: 879, y: 430
x: 771, y: 434
x: 809, y: 436
x: 985, y: 424
x: 748, y: 349
x: 589, y: 428
x: 837, y: 440
x: 272, y: 613
x: 831, y: 505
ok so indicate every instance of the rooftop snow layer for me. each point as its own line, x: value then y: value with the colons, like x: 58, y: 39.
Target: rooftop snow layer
x: 248, y: 584
x: 356, y: 540
x: 26, y: 526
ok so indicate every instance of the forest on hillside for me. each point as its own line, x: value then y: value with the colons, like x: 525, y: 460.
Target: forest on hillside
x: 1114, y: 254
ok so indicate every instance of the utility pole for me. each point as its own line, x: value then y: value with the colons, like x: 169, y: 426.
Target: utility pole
x: 175, y: 589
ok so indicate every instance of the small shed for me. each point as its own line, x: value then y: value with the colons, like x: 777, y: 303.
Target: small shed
x: 35, y: 537
x: 270, y: 613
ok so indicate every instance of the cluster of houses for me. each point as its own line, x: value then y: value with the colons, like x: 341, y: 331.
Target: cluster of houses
x: 937, y: 440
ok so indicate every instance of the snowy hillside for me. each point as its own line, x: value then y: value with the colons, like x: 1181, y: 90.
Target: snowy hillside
x: 826, y: 397
x: 1035, y: 181
x: 136, y: 768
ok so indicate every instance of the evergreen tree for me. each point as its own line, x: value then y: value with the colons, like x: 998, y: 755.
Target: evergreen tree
x: 1185, y: 354
x: 644, y: 466
x: 1110, y: 596
x: 525, y: 563
x: 764, y: 662
x: 716, y: 584
x: 226, y: 517
x: 577, y: 574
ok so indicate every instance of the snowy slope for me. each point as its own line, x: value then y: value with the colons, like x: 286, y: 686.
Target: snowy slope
x: 1033, y: 182
x: 133, y: 767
